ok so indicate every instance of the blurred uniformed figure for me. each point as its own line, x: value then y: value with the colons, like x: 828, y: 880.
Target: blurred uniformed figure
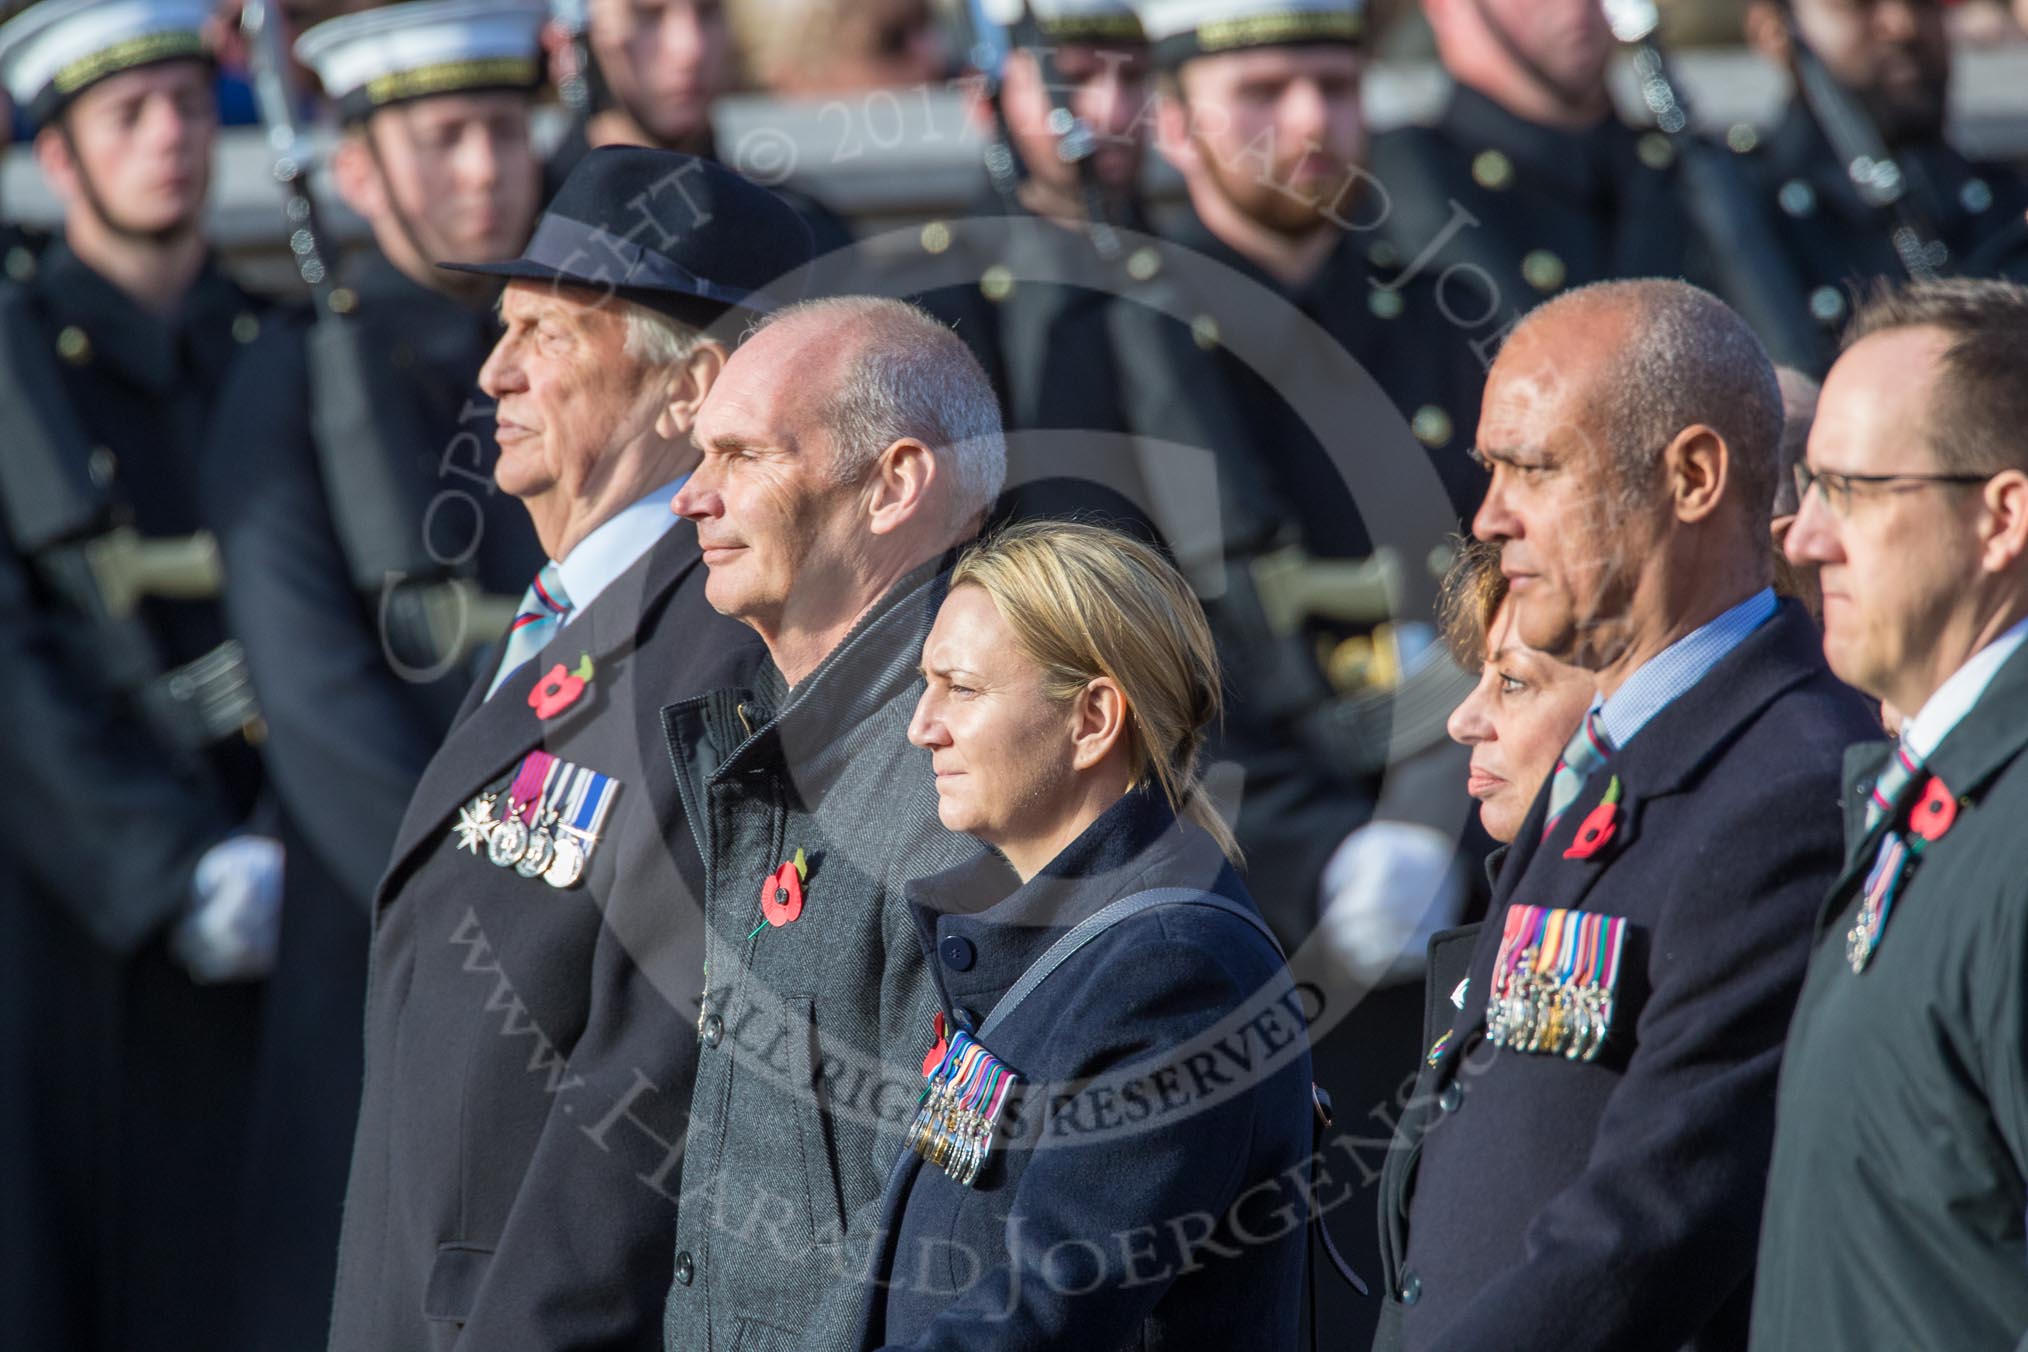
x: 1872, y: 76
x: 359, y: 446
x: 150, y: 883
x: 653, y: 70
x: 822, y: 49
x: 646, y: 73
x: 1528, y: 182
x: 19, y: 244
x: 368, y: 554
x: 1260, y: 113
x: 1037, y: 258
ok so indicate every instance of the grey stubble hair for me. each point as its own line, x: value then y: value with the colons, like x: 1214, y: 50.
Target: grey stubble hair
x: 907, y: 376
x: 1689, y: 358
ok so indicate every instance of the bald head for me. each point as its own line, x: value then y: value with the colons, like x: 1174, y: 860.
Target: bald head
x: 1631, y: 428
x: 845, y: 443
x: 1654, y: 357
x: 882, y: 370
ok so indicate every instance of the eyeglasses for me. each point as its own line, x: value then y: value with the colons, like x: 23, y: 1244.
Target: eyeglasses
x: 1839, y: 488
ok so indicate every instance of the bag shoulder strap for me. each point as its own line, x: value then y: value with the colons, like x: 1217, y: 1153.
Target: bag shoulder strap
x: 1103, y: 919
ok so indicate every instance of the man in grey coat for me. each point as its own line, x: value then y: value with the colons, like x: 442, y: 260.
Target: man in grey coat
x: 849, y: 446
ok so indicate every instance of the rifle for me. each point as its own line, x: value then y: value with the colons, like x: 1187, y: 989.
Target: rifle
x: 1747, y: 253
x: 574, y: 85
x: 1076, y: 143
x: 275, y: 95
x: 1869, y: 164
x: 363, y: 442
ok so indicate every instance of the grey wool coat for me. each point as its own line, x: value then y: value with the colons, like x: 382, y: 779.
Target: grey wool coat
x: 812, y: 1032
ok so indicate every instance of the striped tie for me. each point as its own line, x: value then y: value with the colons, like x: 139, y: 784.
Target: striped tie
x: 1894, y: 777
x: 544, y: 608
x: 1586, y: 751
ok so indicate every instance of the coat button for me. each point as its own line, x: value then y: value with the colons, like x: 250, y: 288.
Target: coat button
x: 1452, y: 1097
x: 714, y: 1030
x: 1411, y: 1288
x: 685, y: 1269
x: 74, y: 346
x: 957, y: 952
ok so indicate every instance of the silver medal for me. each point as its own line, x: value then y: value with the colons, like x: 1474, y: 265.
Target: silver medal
x: 475, y: 823
x: 508, y: 841
x: 566, y: 864
x: 540, y: 850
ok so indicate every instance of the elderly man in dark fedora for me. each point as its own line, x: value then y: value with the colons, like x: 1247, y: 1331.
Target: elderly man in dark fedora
x: 528, y: 1059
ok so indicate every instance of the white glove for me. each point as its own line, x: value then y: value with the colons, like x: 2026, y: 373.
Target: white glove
x: 234, y: 924
x: 1388, y: 888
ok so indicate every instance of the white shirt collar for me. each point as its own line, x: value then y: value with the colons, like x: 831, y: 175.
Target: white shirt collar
x: 614, y: 545
x: 1954, y: 699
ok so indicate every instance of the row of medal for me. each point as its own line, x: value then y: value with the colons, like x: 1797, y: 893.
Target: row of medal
x: 1555, y: 981
x: 555, y: 811
x: 961, y: 1109
x: 1876, y: 899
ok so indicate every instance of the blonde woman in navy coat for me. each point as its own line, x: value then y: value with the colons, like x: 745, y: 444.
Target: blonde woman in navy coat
x: 1116, y: 1154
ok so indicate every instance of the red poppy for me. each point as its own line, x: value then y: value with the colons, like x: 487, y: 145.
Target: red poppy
x: 1598, y: 829
x: 936, y: 1053
x: 1934, y: 813
x: 555, y: 692
x: 782, y: 895
x: 1596, y: 832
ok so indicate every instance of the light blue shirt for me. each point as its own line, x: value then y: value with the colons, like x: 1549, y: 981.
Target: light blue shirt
x: 1657, y: 683
x: 1954, y: 699
x: 614, y: 545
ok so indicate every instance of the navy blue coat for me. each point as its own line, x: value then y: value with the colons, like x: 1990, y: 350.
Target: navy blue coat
x: 1535, y: 1202
x: 529, y: 1050
x: 1150, y: 1191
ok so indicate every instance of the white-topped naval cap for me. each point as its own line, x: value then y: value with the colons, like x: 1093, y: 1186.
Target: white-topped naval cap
x: 413, y: 50
x: 55, y: 50
x: 1181, y: 29
x: 1070, y: 20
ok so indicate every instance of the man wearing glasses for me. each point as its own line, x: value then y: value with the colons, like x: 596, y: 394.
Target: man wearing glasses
x: 1894, y: 1210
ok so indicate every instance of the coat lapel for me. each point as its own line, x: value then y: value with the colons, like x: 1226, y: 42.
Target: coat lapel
x: 1863, y: 764
x: 492, y: 733
x: 1991, y: 735
x: 1988, y: 738
x: 1667, y: 756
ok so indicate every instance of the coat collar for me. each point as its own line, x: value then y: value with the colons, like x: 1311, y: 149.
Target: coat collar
x: 430, y: 326
x: 489, y: 735
x: 150, y: 350
x: 1986, y: 741
x: 1135, y: 844
x: 1798, y: 149
x: 1581, y: 165
x: 1670, y: 753
x: 808, y: 726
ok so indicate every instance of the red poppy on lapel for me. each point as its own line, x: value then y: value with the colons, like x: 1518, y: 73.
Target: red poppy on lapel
x: 559, y: 688
x: 782, y: 893
x: 1598, y: 828
x: 1934, y: 811
x: 935, y: 1057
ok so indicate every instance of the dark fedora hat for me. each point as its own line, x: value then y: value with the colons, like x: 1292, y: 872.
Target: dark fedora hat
x: 674, y: 232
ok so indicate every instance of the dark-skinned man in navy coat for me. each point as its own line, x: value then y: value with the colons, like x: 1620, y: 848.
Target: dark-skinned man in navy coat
x: 1582, y: 1162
